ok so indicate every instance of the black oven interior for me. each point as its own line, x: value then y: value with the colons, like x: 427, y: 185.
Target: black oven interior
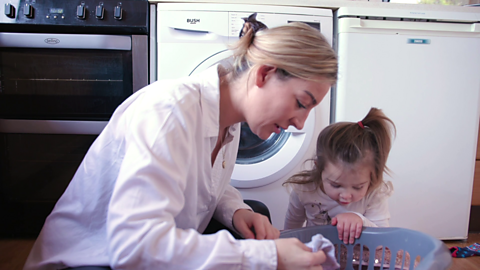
x: 92, y: 82
x: 65, y: 66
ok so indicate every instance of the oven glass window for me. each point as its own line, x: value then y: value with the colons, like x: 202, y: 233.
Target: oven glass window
x: 63, y: 84
x: 35, y: 170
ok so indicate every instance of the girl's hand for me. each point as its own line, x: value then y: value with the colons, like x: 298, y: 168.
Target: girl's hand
x: 252, y: 225
x: 293, y: 254
x: 349, y: 226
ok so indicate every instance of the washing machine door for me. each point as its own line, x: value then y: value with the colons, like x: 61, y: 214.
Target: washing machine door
x: 261, y: 162
x: 216, y: 58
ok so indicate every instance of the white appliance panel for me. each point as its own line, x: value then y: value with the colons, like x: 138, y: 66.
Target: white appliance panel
x: 188, y: 37
x: 428, y: 84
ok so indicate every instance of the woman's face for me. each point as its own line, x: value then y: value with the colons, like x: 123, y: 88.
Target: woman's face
x: 346, y: 184
x: 276, y: 104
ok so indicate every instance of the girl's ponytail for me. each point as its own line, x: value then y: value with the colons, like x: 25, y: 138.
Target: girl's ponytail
x: 379, y: 129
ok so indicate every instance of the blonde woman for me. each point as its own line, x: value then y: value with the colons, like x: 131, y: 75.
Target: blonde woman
x: 161, y: 168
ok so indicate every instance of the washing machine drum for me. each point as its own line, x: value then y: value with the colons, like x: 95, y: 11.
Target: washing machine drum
x: 252, y: 149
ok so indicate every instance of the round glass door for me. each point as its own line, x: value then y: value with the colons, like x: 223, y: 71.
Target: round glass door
x: 252, y: 149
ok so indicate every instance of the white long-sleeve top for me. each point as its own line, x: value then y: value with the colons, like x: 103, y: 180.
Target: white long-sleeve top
x: 315, y: 207
x: 146, y: 188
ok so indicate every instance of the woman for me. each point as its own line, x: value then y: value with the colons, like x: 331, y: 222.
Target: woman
x: 161, y: 168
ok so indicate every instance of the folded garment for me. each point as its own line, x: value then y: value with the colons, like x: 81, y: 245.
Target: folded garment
x: 321, y: 243
x: 464, y: 252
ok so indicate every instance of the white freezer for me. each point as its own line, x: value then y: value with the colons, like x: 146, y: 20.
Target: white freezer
x: 423, y: 73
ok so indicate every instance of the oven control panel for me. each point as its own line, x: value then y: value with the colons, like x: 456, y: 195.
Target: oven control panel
x: 75, y: 15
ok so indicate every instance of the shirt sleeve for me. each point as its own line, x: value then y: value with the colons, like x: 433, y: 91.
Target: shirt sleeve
x: 377, y: 213
x: 149, y: 195
x: 295, y: 216
x: 230, y: 202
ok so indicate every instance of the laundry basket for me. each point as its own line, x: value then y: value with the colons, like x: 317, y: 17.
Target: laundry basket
x: 376, y: 248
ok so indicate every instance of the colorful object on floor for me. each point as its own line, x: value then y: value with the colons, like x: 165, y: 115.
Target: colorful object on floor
x: 464, y: 252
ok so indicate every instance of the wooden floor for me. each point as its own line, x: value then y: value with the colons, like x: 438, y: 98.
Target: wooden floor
x: 13, y: 253
x: 470, y: 263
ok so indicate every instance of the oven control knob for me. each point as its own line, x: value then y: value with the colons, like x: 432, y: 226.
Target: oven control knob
x: 81, y: 12
x: 9, y: 10
x: 28, y: 10
x: 99, y: 11
x: 117, y: 12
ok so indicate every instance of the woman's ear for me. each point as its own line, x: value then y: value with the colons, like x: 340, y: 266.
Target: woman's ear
x: 264, y: 73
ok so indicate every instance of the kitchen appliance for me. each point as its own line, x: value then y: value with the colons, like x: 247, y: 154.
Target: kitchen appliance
x: 421, y: 68
x: 192, y: 37
x: 64, y: 68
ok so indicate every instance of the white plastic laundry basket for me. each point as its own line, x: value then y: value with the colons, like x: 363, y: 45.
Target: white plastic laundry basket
x: 412, y: 249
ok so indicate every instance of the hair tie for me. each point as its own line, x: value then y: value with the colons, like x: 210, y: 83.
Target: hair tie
x: 361, y: 124
x: 251, y: 22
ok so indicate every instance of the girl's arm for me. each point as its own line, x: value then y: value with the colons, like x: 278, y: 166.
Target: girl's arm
x: 295, y: 216
x: 377, y: 213
x: 350, y: 224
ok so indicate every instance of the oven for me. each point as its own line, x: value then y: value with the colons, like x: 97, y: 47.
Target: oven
x: 65, y: 66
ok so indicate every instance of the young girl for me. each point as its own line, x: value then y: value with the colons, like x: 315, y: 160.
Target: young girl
x: 345, y: 187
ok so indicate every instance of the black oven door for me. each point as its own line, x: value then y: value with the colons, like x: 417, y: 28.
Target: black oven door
x: 57, y: 93
x: 66, y: 76
x: 35, y: 169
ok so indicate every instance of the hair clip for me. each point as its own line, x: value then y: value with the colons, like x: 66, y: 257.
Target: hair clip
x: 251, y: 22
x: 361, y: 124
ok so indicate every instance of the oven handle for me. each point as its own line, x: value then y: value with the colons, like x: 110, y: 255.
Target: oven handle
x: 51, y: 126
x: 65, y: 41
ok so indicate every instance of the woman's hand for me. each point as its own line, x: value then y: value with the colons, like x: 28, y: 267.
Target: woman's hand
x: 293, y: 254
x: 252, y: 225
x: 349, y: 226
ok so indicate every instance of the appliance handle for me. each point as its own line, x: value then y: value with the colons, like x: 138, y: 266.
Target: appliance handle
x: 51, y: 126
x: 65, y: 41
x: 191, y: 30
x: 357, y: 25
x: 197, y: 34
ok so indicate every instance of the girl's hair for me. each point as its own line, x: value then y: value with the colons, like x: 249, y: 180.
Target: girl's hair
x: 349, y: 143
x: 296, y: 49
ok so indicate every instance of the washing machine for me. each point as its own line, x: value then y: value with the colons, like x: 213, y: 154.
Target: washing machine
x: 192, y: 37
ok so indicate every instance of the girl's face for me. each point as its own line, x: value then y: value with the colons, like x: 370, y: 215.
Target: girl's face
x: 346, y: 184
x: 275, y: 104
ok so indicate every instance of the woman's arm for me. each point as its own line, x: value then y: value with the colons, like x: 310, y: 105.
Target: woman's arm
x: 149, y: 198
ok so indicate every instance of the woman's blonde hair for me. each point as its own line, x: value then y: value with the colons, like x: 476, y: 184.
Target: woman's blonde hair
x: 349, y: 143
x: 295, y: 49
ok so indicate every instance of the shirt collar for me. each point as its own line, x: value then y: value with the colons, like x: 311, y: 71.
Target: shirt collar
x: 209, y: 83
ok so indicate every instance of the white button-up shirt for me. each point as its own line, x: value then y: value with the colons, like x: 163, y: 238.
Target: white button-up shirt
x: 146, y: 188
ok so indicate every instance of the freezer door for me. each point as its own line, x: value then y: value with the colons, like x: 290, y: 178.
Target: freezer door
x: 427, y: 82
